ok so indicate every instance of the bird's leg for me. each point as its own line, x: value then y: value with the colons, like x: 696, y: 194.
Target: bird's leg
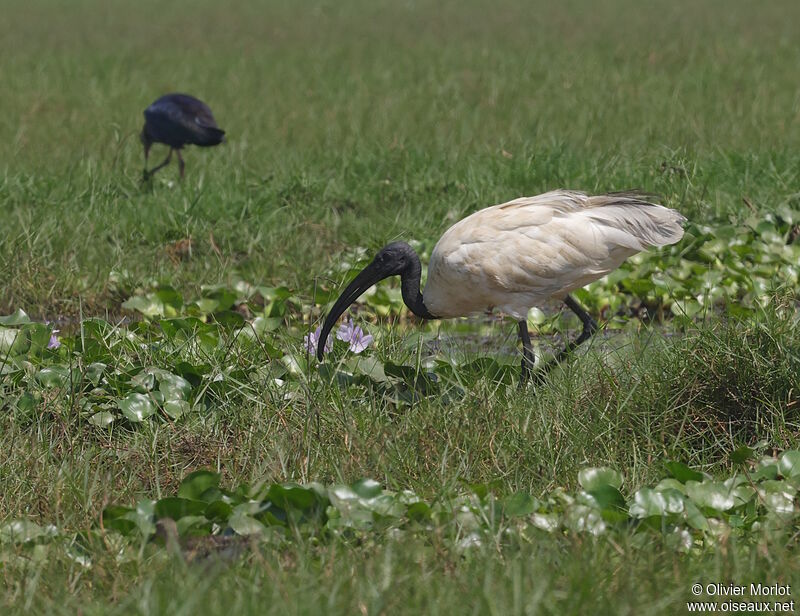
x: 151, y: 173
x: 181, y: 164
x: 589, y: 327
x: 528, y: 358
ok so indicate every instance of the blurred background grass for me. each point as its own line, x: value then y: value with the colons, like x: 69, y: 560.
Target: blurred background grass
x: 358, y: 122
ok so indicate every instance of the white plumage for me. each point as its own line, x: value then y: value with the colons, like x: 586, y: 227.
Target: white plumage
x: 515, y: 255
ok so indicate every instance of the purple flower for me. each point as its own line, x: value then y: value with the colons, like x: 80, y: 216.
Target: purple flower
x: 311, y: 342
x: 354, y: 336
x: 54, y: 341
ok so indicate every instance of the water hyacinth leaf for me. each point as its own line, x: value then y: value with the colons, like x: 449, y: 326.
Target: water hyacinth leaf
x: 176, y: 507
x: 419, y: 511
x: 670, y: 483
x: 228, y: 319
x: 648, y: 502
x: 740, y: 455
x: 243, y: 524
x: 33, y: 339
x: 18, y: 317
x: 766, y: 471
x: 369, y: 367
x: 7, y: 338
x: 193, y: 525
x: 789, y: 463
x: 683, y: 473
x: 171, y: 385
x: 171, y: 299
x: 25, y: 531
x: 176, y: 408
x: 54, y: 376
x: 143, y: 382
x: 607, y: 497
x: 136, y: 407
x: 367, y: 488
x: 195, y: 485
x: 519, y: 504
x: 292, y: 496
x: 594, y: 478
x: 688, y: 308
x: 223, y: 298
x: 192, y: 373
x: 218, y: 511
x: 420, y: 381
x: 780, y: 503
x: 120, y: 519
x: 694, y: 517
x: 26, y: 402
x: 94, y: 372
x: 102, y: 419
x: 150, y: 306
x: 710, y: 494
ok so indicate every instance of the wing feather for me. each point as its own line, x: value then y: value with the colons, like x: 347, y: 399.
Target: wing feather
x: 526, y: 250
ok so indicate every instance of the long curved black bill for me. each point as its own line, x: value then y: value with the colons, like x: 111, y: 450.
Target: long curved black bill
x: 363, y: 281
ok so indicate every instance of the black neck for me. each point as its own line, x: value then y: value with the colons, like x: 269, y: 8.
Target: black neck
x: 409, y: 284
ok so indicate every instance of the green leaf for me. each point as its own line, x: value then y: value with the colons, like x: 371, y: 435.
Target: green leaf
x: 54, y: 376
x: 149, y: 306
x: 740, y: 455
x: 103, y: 419
x: 648, y: 502
x: 594, y: 478
x: 367, y: 488
x: 136, y: 407
x: 694, y: 517
x: 292, y: 496
x: 94, y: 372
x: 196, y: 484
x: 25, y: 531
x: 683, y: 473
x: 219, y: 511
x: 171, y: 385
x: 789, y: 463
x: 176, y: 408
x: 243, y: 524
x: 176, y: 507
x: 519, y: 504
x: 120, y: 519
x: 710, y: 494
x: 607, y: 497
x: 16, y: 318
x: 7, y: 339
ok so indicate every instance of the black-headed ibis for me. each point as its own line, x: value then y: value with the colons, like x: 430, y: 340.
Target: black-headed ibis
x: 514, y: 256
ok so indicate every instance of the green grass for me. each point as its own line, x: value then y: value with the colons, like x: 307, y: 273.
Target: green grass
x: 351, y: 124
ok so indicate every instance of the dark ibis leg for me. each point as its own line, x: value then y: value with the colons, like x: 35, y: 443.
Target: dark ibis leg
x: 181, y: 164
x: 528, y: 358
x: 589, y: 327
x: 151, y: 173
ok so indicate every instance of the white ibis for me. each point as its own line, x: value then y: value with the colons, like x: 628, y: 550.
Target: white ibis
x: 177, y: 120
x: 514, y: 256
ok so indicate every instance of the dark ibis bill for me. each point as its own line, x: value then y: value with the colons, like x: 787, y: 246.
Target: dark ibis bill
x: 364, y: 280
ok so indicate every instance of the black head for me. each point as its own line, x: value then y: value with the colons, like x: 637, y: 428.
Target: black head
x: 393, y: 259
x: 145, y: 138
x: 397, y: 258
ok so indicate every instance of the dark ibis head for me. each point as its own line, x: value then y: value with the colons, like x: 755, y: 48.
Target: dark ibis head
x: 395, y: 259
x: 146, y: 139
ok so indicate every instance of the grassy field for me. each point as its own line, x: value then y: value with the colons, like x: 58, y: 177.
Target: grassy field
x: 349, y: 125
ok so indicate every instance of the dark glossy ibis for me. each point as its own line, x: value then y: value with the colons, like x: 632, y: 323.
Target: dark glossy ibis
x: 177, y: 120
